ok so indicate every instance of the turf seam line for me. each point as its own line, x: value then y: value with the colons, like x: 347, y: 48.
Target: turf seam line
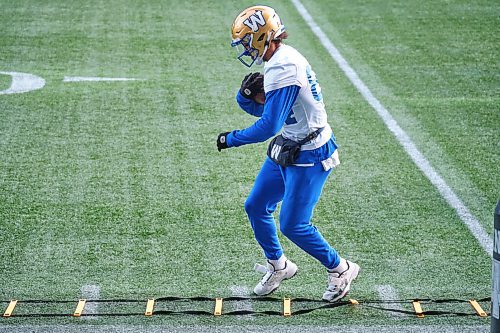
x: 403, y: 138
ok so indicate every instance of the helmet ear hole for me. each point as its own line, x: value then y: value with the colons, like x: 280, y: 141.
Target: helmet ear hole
x: 261, y: 37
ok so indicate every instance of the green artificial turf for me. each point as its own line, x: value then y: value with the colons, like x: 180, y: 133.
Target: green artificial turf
x: 120, y: 185
x: 5, y: 81
x: 435, y: 66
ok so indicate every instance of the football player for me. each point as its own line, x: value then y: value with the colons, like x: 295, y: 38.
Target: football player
x: 293, y: 103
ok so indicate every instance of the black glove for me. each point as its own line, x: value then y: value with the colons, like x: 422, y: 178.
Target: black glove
x: 221, y: 141
x: 252, y: 84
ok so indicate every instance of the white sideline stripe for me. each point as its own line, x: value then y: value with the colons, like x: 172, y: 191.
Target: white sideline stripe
x: 97, y: 79
x: 241, y: 329
x: 423, y: 164
x: 22, y: 82
x: 90, y: 292
x: 243, y: 305
x: 388, y: 293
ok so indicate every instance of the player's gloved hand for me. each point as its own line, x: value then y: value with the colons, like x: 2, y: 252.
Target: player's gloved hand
x: 221, y: 141
x: 252, y: 84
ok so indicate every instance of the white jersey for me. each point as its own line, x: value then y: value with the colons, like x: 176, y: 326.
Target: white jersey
x: 288, y: 67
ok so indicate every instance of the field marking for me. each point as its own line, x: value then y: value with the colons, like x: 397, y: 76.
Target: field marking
x: 418, y: 158
x: 90, y: 292
x: 97, y: 79
x: 388, y: 293
x: 22, y: 82
x: 243, y: 305
x: 242, y: 328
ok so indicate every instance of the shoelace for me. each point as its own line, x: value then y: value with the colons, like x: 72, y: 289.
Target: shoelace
x: 332, y: 278
x: 339, y: 278
x: 335, y: 283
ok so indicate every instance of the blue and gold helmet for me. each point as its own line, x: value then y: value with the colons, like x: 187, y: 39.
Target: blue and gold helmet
x: 253, y: 30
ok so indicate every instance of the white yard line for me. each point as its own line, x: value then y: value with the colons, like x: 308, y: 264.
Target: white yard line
x: 242, y: 305
x: 423, y: 164
x: 147, y: 328
x: 388, y: 293
x: 22, y: 82
x: 97, y: 79
x: 90, y: 292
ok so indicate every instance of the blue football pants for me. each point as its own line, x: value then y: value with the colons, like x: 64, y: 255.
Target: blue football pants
x: 299, y: 189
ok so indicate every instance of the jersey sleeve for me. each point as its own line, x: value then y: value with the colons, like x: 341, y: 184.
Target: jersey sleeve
x: 277, y: 108
x: 249, y: 105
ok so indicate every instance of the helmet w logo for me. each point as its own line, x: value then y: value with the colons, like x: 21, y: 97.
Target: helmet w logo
x: 255, y: 21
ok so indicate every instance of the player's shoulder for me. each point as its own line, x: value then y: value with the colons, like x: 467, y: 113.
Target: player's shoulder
x: 285, y: 55
x: 286, y: 67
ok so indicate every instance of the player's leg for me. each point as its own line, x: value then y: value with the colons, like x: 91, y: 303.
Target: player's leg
x: 268, y: 190
x: 303, y: 190
x: 303, y: 187
x: 260, y: 205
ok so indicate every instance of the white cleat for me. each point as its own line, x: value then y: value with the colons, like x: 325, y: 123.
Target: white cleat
x: 340, y: 283
x: 272, y: 278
